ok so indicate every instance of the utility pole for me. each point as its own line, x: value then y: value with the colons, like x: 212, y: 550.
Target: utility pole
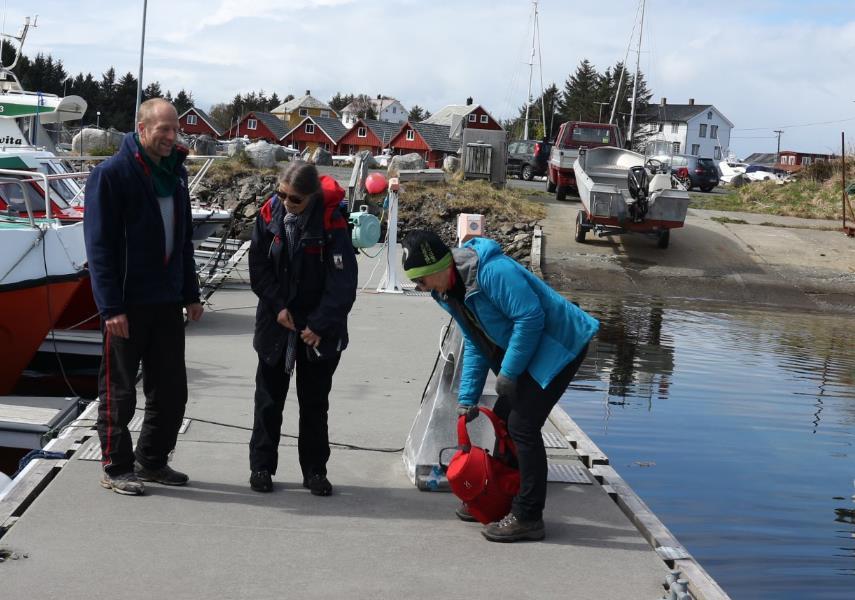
x: 531, y: 70
x: 778, y: 153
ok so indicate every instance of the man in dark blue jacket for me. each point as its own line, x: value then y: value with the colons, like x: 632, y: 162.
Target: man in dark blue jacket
x: 303, y: 269
x: 138, y: 230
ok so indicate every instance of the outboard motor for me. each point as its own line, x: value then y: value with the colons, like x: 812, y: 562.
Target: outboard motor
x: 639, y: 188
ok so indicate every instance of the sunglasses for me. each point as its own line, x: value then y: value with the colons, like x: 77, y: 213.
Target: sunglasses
x: 292, y: 197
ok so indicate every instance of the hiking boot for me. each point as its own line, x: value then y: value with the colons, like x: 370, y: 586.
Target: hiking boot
x: 511, y: 529
x: 165, y: 475
x: 125, y: 483
x: 319, y: 485
x: 463, y: 513
x: 261, y: 481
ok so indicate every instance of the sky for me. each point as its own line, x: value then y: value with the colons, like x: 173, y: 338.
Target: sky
x: 765, y: 64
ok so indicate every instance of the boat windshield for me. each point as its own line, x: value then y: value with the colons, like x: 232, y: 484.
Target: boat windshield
x: 12, y: 195
x: 67, y: 189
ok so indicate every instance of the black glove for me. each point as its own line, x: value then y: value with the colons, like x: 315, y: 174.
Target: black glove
x: 470, y: 412
x: 506, y: 387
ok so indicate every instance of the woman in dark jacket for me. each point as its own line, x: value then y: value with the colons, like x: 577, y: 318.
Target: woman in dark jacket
x: 303, y: 269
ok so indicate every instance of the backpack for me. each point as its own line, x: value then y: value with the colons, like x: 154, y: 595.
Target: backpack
x: 487, y: 484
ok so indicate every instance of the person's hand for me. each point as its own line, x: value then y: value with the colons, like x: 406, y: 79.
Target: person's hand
x: 285, y: 319
x: 118, y: 326
x: 194, y: 311
x: 310, y: 338
x: 506, y: 387
x: 469, y: 411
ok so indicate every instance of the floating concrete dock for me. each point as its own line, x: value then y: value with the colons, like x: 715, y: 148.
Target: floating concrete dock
x: 378, y: 536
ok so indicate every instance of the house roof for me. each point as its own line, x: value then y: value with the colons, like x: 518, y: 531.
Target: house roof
x: 378, y: 104
x: 330, y: 126
x: 307, y: 101
x: 762, y: 158
x: 204, y: 116
x: 384, y: 130
x: 334, y: 128
x: 680, y: 112
x: 436, y: 136
x: 445, y: 114
x: 272, y: 122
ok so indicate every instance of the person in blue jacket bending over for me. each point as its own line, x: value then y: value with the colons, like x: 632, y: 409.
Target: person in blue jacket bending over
x: 528, y: 334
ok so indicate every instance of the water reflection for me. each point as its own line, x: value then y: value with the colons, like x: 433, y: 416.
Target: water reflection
x: 746, y: 420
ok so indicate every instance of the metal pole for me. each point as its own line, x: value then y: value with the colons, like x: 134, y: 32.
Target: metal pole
x: 635, y: 83
x: 843, y: 173
x: 139, y: 79
x: 530, y: 72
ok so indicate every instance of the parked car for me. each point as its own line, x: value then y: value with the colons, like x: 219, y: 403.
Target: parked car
x: 764, y: 173
x: 695, y: 172
x: 528, y: 158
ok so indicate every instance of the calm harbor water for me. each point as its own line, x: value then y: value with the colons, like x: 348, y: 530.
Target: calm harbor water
x: 737, y: 428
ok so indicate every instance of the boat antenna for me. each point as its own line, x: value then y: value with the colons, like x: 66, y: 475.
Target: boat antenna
x: 139, y: 79
x: 635, y: 82
x: 22, y: 35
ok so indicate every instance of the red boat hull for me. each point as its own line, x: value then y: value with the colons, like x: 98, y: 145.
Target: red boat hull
x: 27, y: 314
x: 81, y: 312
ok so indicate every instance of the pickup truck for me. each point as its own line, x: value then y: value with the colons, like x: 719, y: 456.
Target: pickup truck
x: 573, y: 135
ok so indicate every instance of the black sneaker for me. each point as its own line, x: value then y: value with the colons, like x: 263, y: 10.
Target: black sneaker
x: 126, y: 483
x: 319, y: 485
x: 165, y: 475
x: 463, y: 513
x: 510, y: 529
x: 261, y: 481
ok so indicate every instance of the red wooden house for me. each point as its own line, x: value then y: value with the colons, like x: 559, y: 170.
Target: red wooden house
x: 459, y: 117
x: 312, y: 132
x: 258, y: 126
x: 429, y: 140
x: 368, y: 134
x: 197, y: 122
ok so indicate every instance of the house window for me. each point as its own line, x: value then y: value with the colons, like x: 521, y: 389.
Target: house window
x: 251, y: 124
x: 661, y: 126
x: 472, y: 118
x: 394, y: 110
x: 325, y: 113
x: 709, y: 115
x: 310, y: 128
x: 675, y: 127
x: 805, y: 161
x: 696, y: 149
x: 676, y: 147
x: 702, y: 132
x: 191, y: 119
x: 717, y: 153
x: 361, y: 132
x: 714, y: 132
x: 303, y: 112
x: 484, y: 119
x: 411, y: 135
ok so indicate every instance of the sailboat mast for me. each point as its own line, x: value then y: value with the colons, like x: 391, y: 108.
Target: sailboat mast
x: 635, y: 82
x: 530, y: 70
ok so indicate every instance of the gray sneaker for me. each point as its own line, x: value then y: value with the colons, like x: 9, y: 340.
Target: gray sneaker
x: 126, y: 483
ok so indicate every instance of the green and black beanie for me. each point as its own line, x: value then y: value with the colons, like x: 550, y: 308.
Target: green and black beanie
x: 424, y: 254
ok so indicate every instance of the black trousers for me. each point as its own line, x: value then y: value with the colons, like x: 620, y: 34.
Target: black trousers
x: 525, y: 416
x: 314, y: 381
x: 157, y: 340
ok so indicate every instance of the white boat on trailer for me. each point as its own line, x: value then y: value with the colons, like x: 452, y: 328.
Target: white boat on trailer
x: 625, y: 192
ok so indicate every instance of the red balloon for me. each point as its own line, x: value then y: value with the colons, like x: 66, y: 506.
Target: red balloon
x: 375, y: 183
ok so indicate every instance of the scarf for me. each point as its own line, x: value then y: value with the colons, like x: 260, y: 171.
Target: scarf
x: 293, y: 228
x: 163, y: 175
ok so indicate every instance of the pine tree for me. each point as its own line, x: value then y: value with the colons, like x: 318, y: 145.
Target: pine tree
x: 273, y: 102
x: 183, y: 101
x: 579, y: 95
x: 152, y: 90
x: 417, y: 113
x: 120, y: 114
